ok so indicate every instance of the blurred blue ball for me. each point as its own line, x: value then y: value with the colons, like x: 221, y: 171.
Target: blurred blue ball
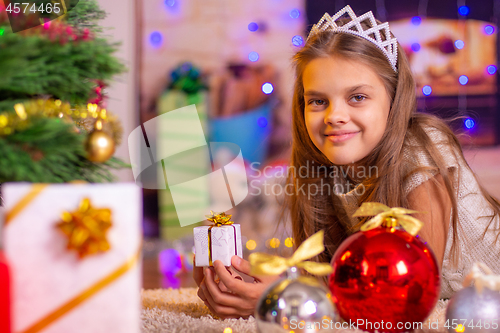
x: 464, y: 10
x: 253, y: 26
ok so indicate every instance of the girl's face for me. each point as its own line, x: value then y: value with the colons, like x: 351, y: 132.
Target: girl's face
x: 346, y: 108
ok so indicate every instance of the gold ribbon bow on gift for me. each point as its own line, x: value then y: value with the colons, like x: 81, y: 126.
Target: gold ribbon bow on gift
x: 388, y: 216
x: 86, y: 229
x: 488, y: 280
x: 219, y: 219
x: 266, y: 264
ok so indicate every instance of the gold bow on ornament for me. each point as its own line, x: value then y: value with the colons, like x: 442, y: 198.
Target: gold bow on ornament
x: 488, y: 280
x: 219, y: 219
x: 266, y: 264
x: 388, y: 216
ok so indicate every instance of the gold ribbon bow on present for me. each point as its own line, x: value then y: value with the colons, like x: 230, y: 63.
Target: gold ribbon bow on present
x: 488, y: 280
x: 388, y: 216
x: 266, y: 264
x: 86, y: 229
x: 219, y: 219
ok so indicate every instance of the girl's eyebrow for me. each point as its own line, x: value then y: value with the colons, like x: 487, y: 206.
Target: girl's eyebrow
x: 348, y: 90
x: 360, y: 86
x: 313, y: 92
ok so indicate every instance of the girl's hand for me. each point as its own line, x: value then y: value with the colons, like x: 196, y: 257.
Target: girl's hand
x: 198, y: 277
x: 232, y: 297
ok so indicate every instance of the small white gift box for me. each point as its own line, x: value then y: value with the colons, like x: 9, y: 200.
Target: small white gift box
x: 217, y: 243
x: 61, y: 288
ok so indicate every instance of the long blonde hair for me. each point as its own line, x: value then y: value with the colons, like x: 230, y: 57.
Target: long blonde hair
x: 325, y: 211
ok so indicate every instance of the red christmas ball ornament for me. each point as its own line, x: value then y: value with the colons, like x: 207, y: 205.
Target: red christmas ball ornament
x: 384, y: 278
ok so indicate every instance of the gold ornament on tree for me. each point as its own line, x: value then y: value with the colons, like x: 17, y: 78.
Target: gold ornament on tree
x: 100, y: 146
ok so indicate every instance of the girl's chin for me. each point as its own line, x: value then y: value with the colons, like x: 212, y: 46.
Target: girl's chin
x: 342, y: 162
x: 343, y: 159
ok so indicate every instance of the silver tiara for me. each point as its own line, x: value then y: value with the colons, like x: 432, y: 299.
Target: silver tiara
x: 389, y: 46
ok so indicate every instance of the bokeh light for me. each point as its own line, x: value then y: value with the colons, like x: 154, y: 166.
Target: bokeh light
x: 274, y: 243
x: 426, y: 90
x: 253, y: 56
x: 262, y: 122
x: 251, y: 244
x: 463, y: 79
x: 491, y: 69
x: 489, y: 29
x: 469, y: 123
x: 169, y: 262
x: 267, y: 88
x: 415, y: 47
x: 464, y: 10
x: 294, y: 13
x: 253, y: 26
x: 459, y: 44
x: 170, y: 3
x: 297, y: 40
x: 289, y: 242
x: 156, y: 38
x: 416, y: 20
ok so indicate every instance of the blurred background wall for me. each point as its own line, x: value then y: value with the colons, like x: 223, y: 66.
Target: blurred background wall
x: 121, y: 25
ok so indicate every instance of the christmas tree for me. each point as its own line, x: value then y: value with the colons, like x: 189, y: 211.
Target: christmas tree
x: 52, y: 121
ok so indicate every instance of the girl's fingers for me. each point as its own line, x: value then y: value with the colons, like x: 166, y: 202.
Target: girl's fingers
x: 241, y: 265
x: 215, y: 293
x: 223, y: 287
x: 205, y: 301
x: 201, y: 294
x: 214, y: 306
x: 235, y: 285
x: 244, y: 266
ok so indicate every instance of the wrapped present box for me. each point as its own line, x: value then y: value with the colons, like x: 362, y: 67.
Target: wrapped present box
x: 74, y: 252
x: 217, y: 243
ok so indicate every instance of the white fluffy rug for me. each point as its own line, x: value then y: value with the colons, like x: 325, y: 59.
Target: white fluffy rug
x: 181, y: 311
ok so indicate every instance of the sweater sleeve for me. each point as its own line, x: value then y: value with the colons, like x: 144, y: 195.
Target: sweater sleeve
x: 419, y: 166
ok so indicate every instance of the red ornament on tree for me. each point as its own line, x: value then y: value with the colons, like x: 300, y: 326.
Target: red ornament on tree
x: 4, y: 295
x: 384, y: 278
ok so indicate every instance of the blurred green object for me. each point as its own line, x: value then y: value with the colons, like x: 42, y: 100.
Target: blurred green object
x: 187, y: 79
x: 170, y: 228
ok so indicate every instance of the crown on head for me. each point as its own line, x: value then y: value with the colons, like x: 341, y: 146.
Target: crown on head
x: 387, y: 44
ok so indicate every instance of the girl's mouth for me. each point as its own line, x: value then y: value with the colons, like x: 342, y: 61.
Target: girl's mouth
x: 341, y: 137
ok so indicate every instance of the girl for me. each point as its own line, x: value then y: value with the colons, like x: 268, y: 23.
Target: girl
x: 355, y: 123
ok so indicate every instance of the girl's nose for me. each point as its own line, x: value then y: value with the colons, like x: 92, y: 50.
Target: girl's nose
x: 336, y: 115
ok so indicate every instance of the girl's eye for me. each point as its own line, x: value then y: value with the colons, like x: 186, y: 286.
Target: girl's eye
x: 358, y: 98
x: 318, y: 102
